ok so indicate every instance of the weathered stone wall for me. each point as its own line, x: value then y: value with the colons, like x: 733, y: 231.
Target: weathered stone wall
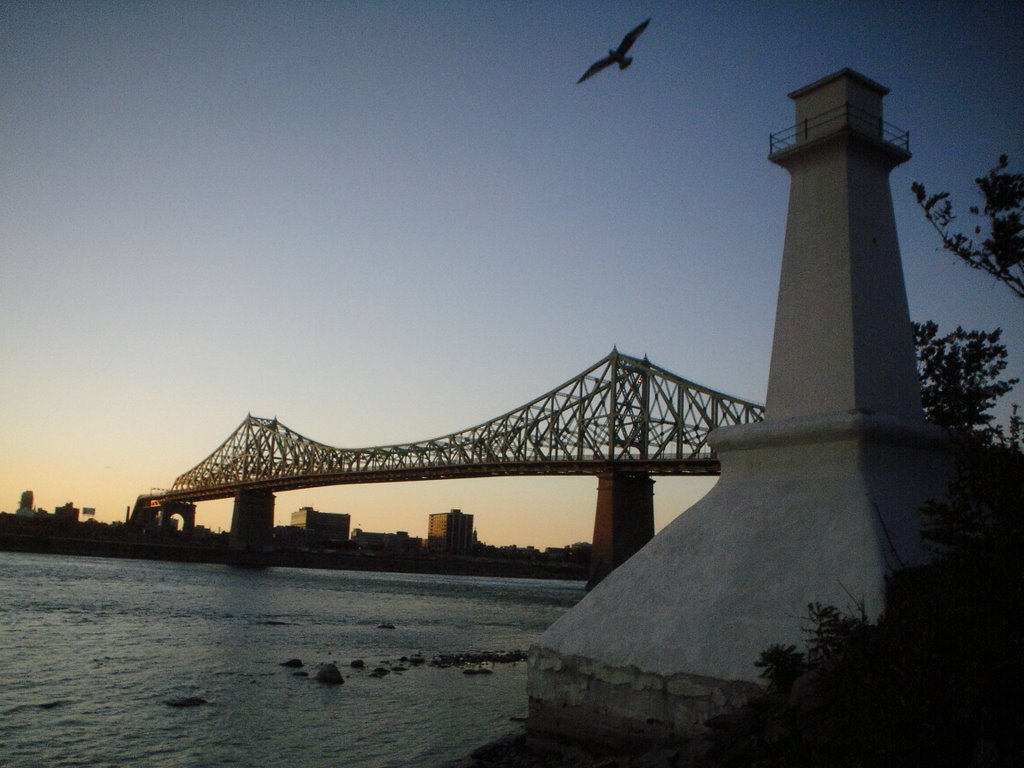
x: 620, y: 705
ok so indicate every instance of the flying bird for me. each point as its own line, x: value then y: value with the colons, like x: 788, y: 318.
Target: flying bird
x: 618, y: 56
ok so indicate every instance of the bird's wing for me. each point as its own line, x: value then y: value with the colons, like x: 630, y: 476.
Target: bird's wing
x: 596, y: 67
x: 628, y: 40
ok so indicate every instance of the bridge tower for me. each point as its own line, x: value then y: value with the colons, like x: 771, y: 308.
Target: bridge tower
x: 819, y: 502
x: 252, y: 521
x: 624, y: 520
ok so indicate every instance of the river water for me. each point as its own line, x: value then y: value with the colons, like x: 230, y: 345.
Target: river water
x: 92, y: 649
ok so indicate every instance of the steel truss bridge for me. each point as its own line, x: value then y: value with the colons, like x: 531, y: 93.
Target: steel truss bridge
x: 621, y: 417
x: 622, y: 413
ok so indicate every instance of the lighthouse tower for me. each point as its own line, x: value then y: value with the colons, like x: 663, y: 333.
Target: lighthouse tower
x: 819, y: 502
x: 843, y: 339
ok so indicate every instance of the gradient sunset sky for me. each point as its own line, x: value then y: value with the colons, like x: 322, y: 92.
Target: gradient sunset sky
x: 386, y: 221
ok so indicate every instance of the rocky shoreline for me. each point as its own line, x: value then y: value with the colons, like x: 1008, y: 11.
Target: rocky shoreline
x: 520, y: 749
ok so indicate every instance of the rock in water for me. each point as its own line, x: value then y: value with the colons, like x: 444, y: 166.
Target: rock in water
x: 358, y: 664
x: 292, y: 663
x: 329, y: 675
x: 187, y: 701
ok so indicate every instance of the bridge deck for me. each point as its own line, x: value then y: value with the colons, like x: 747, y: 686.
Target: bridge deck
x: 707, y: 466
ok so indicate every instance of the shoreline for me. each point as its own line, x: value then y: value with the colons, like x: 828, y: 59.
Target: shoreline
x: 52, y: 543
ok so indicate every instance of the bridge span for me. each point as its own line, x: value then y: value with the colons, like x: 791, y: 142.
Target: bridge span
x: 622, y: 419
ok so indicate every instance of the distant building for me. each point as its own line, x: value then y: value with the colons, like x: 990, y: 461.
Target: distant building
x: 68, y: 512
x: 579, y: 552
x: 331, y: 525
x: 26, y: 505
x: 450, y: 532
x: 398, y: 542
x: 516, y: 552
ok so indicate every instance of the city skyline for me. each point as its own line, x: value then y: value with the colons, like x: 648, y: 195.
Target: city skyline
x: 385, y: 222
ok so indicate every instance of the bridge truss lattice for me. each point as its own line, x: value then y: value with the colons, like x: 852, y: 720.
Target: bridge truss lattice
x: 622, y: 413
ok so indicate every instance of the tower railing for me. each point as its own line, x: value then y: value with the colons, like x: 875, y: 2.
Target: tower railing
x: 832, y: 120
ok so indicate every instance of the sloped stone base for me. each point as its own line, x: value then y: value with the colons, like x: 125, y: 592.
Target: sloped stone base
x: 621, y: 707
x: 811, y: 509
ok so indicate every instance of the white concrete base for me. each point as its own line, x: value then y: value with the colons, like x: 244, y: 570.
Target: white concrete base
x: 807, y: 509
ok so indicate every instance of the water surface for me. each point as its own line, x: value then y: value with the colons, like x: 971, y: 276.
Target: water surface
x: 91, y: 649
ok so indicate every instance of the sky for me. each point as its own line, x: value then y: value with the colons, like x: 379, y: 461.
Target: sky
x: 382, y: 222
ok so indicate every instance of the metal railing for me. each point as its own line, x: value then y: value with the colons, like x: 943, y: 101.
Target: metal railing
x: 832, y: 121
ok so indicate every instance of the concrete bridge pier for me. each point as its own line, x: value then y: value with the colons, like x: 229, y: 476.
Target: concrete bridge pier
x: 624, y: 521
x: 252, y: 521
x: 143, y: 517
x: 183, y: 509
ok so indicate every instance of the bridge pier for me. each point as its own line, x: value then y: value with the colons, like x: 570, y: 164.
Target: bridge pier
x: 143, y: 517
x: 252, y: 521
x: 184, y: 509
x: 624, y: 520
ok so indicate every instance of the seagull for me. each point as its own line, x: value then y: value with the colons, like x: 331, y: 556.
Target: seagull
x: 618, y: 56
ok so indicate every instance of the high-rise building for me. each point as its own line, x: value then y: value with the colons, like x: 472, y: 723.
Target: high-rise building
x: 336, y: 525
x: 450, y: 532
x: 26, y: 507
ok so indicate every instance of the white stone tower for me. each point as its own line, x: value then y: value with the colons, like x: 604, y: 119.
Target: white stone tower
x: 817, y: 503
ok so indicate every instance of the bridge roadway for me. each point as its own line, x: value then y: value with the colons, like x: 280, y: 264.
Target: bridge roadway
x: 623, y: 420
x: 701, y: 466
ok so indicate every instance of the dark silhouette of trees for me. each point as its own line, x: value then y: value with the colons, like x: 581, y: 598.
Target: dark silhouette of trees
x: 959, y: 375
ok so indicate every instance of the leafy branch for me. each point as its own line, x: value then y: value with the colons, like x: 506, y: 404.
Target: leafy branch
x: 1001, y: 252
